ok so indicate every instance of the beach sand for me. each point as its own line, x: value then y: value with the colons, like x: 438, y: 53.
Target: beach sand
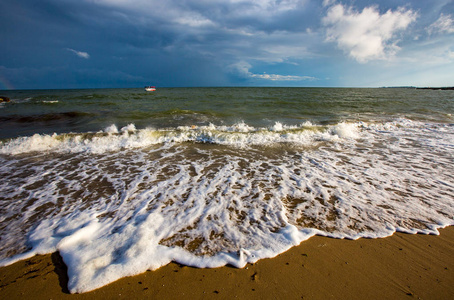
x: 402, y: 266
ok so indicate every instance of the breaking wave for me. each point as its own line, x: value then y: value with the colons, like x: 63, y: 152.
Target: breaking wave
x: 128, y: 137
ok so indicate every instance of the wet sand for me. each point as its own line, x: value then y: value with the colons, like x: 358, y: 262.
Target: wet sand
x: 402, y: 266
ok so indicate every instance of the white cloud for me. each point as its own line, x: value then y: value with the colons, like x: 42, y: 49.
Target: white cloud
x: 175, y: 8
x: 79, y: 53
x: 243, y: 69
x: 328, y: 2
x: 250, y: 7
x: 444, y: 24
x: 194, y: 21
x: 366, y: 35
x: 277, y: 77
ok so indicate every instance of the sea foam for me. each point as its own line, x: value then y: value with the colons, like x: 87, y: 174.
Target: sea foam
x: 112, y: 139
x: 119, y: 202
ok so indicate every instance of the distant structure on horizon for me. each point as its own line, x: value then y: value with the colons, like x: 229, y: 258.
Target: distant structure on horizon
x: 419, y: 88
x: 437, y: 88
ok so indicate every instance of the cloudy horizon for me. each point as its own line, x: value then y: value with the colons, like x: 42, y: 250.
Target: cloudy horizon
x: 119, y: 43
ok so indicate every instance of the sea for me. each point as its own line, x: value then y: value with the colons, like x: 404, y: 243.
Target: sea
x: 120, y: 181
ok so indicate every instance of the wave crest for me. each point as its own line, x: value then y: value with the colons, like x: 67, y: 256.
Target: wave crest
x: 128, y: 137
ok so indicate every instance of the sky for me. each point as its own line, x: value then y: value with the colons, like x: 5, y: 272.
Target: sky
x: 53, y: 44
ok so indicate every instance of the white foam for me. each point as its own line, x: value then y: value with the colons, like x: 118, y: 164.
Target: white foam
x: 129, y: 128
x: 346, y: 130
x: 124, y: 201
x: 128, y: 137
x: 34, y: 143
x: 277, y: 127
x: 111, y: 129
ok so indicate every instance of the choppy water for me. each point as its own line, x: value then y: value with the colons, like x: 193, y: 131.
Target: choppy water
x: 121, y: 181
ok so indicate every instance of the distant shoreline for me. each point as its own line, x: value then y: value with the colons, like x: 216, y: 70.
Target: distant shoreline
x: 448, y: 88
x: 436, y: 88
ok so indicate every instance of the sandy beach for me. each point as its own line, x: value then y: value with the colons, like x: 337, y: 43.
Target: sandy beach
x: 402, y: 266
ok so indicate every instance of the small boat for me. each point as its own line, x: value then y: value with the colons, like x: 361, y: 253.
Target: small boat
x: 150, y: 88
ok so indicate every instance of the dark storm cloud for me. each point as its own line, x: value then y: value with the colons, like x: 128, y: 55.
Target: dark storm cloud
x: 137, y: 39
x: 202, y: 42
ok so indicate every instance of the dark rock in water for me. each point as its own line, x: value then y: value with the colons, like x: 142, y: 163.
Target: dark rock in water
x: 4, y: 99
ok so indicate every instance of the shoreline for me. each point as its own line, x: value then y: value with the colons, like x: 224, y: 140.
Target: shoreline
x: 402, y: 266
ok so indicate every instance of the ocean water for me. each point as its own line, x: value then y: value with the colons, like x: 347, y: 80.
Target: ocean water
x: 121, y: 181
